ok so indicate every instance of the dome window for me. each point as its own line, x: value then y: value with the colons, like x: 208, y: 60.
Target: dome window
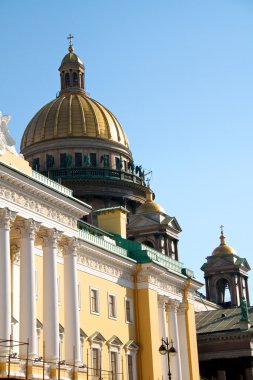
x: 67, y: 80
x: 78, y: 160
x: 75, y: 79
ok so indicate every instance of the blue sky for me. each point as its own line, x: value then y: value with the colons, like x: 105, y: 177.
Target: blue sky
x: 177, y: 74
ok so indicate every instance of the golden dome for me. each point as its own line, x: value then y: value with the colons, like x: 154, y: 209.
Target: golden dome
x: 223, y: 248
x: 149, y: 206
x: 71, y: 58
x: 73, y: 115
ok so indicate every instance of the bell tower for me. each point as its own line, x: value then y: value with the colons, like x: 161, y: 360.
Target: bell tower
x: 72, y: 71
x: 226, y: 276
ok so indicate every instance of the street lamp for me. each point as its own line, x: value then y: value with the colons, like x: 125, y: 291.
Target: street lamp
x: 167, y: 348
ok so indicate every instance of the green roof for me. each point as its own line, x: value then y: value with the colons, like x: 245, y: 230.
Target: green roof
x: 214, y: 321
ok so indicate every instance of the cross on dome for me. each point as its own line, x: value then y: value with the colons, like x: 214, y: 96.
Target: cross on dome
x: 221, y: 229
x: 70, y: 38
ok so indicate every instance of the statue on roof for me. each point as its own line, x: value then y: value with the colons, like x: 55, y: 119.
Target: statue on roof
x: 244, y: 310
x: 6, y: 140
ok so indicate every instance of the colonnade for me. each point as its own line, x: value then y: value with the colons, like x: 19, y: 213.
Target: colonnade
x: 172, y: 324
x: 28, y: 230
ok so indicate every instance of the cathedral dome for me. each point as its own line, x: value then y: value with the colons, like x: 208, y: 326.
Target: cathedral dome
x: 73, y: 114
x: 223, y: 248
x: 150, y: 206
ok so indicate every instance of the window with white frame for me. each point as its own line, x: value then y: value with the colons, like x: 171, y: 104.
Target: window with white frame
x: 129, y: 310
x: 114, y: 364
x: 112, y: 306
x: 131, y: 350
x: 94, y: 300
x: 96, y: 361
x: 130, y: 369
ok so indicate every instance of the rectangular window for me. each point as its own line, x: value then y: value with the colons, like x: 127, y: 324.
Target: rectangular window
x: 93, y: 159
x: 130, y: 367
x: 94, y: 300
x: 78, y: 159
x: 129, y: 310
x: 95, y: 361
x: 112, y: 306
x: 63, y: 160
x: 114, y: 365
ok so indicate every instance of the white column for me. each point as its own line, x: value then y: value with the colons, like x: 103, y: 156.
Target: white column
x: 50, y: 295
x: 15, y: 285
x: 182, y: 332
x: 27, y: 287
x: 6, y: 216
x: 163, y: 333
x: 71, y: 310
x: 173, y: 334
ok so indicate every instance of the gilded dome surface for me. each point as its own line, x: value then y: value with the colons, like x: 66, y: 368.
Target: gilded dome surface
x: 73, y: 114
x: 150, y: 205
x: 223, y: 248
x: 71, y: 58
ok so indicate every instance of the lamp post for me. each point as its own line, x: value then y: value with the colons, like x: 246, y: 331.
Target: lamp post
x: 167, y: 348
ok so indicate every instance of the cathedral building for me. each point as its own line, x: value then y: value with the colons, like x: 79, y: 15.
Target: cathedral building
x: 225, y: 334
x: 82, y: 301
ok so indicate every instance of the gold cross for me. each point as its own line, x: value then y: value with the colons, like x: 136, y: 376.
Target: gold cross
x: 221, y: 228
x: 70, y: 38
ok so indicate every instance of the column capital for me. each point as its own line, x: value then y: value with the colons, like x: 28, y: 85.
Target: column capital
x: 28, y: 228
x: 50, y: 237
x: 181, y: 308
x: 162, y: 300
x: 70, y: 246
x: 7, y: 217
x: 172, y: 305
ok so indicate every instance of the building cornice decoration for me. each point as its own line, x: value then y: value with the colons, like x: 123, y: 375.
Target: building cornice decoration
x: 37, y: 207
x: 108, y: 264
x: 161, y: 279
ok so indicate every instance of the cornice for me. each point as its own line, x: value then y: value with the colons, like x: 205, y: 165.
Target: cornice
x: 105, y: 262
x: 37, y: 191
x: 36, y: 204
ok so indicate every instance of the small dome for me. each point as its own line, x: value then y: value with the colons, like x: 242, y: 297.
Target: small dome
x: 73, y: 115
x: 223, y: 248
x: 71, y: 58
x: 149, y: 206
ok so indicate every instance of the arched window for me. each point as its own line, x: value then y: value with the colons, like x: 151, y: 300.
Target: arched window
x: 75, y: 79
x: 223, y: 292
x: 67, y: 80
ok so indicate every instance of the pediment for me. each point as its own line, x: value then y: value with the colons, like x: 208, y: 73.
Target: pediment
x: 142, y: 221
x: 131, y: 345
x: 82, y: 334
x: 114, y: 341
x: 97, y: 337
x: 172, y: 222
